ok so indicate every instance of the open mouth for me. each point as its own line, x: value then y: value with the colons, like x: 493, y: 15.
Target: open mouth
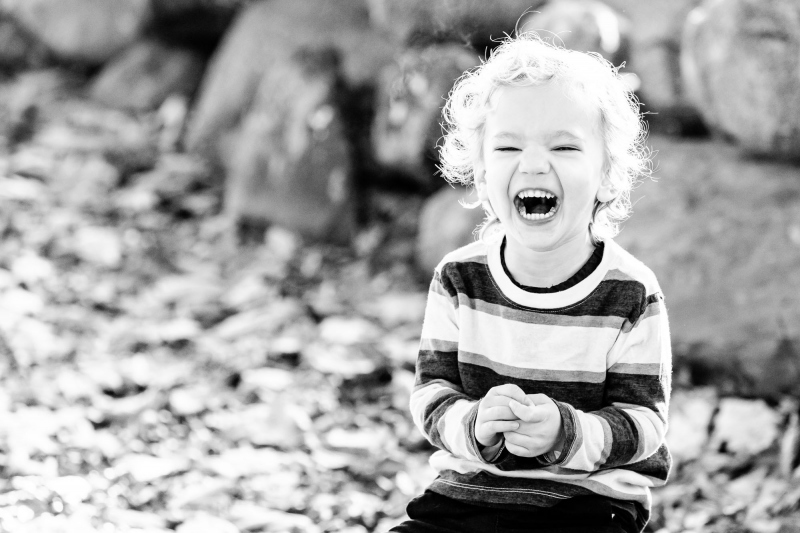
x: 536, y: 204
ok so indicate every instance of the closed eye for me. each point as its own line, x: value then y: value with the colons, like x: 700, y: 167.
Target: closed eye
x: 566, y: 149
x: 506, y: 149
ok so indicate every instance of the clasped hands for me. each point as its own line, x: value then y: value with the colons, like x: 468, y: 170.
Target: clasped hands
x: 530, y: 424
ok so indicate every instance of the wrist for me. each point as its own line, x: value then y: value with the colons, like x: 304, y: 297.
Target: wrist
x: 488, y: 442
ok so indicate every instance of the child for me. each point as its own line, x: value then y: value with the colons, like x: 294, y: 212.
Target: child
x: 544, y: 368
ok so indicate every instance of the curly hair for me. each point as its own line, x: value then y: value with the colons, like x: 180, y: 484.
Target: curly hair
x: 527, y: 60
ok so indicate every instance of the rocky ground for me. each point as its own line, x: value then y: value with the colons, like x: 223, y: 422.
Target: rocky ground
x: 158, y: 377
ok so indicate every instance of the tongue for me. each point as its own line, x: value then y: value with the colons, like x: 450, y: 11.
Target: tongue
x: 536, y: 206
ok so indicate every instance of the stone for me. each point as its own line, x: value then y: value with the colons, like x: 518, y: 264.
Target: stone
x: 740, y: 69
x: 267, y: 31
x: 585, y: 25
x: 744, y: 427
x: 291, y: 165
x: 445, y: 225
x: 690, y: 415
x: 196, y: 23
x: 19, y: 50
x: 86, y: 31
x: 421, y: 22
x: 142, y: 77
x: 411, y: 93
x: 654, y: 57
x: 717, y: 231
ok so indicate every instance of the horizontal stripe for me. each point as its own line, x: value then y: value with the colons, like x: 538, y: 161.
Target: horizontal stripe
x: 438, y: 345
x: 544, y: 319
x: 433, y: 366
x: 650, y: 308
x: 476, y: 380
x: 439, y: 383
x: 618, y: 298
x: 615, y: 274
x: 532, y: 374
x: 474, y: 252
x: 639, y: 369
x: 534, y: 345
x: 440, y: 320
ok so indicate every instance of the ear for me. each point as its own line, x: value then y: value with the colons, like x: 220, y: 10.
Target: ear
x: 479, y: 172
x: 607, y: 192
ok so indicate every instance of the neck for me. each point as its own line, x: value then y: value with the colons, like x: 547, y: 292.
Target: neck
x: 545, y: 268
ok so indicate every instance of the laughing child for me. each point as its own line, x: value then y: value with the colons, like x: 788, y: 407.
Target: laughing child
x: 544, y: 368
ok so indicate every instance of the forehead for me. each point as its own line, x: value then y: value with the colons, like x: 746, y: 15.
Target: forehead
x: 542, y: 108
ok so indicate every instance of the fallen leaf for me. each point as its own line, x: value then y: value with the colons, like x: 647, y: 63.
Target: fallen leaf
x: 745, y: 427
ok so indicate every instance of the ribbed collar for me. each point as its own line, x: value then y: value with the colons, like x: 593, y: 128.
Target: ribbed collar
x: 552, y: 300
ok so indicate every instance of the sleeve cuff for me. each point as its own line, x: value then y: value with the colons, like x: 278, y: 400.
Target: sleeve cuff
x: 490, y: 454
x: 559, y: 457
x: 469, y: 426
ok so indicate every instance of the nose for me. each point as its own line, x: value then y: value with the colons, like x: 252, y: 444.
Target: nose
x: 534, y: 161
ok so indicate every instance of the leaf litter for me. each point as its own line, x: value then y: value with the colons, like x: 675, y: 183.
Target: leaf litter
x: 156, y: 377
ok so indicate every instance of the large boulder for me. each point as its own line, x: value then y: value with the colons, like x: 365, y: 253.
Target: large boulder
x: 444, y: 225
x: 585, y: 25
x: 654, y: 56
x: 87, y: 31
x: 291, y: 165
x: 199, y: 24
x: 722, y: 234
x: 411, y: 95
x: 474, y: 22
x: 741, y: 65
x: 18, y: 49
x: 142, y: 77
x: 267, y: 32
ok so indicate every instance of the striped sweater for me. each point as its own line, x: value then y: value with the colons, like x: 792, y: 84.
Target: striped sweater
x: 600, y: 349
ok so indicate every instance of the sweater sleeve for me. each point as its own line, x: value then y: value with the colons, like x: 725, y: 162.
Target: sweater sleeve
x: 632, y: 425
x: 439, y: 407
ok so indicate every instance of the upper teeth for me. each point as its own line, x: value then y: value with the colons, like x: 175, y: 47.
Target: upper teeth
x: 535, y: 193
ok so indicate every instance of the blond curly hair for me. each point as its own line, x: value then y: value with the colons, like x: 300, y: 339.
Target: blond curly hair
x: 525, y: 60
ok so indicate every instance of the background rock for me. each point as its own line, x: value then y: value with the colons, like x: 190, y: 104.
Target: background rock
x: 266, y: 32
x: 198, y: 24
x: 739, y: 60
x: 472, y: 22
x: 291, y: 164
x: 585, y: 25
x: 144, y: 75
x: 18, y: 49
x: 654, y: 56
x: 723, y: 236
x: 445, y: 225
x: 411, y: 94
x: 89, y: 31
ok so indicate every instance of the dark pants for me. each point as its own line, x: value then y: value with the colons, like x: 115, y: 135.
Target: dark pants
x: 434, y: 513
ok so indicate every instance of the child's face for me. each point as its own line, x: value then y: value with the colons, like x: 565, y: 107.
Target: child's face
x: 542, y: 165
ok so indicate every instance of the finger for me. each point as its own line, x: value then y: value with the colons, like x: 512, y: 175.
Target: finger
x: 501, y: 412
x: 500, y: 426
x: 511, y: 391
x: 539, y: 399
x: 495, y: 400
x: 527, y: 413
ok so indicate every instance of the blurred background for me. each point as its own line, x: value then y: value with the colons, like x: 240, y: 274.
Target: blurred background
x: 219, y: 219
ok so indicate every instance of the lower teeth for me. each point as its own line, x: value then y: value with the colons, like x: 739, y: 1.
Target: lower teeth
x: 537, y: 216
